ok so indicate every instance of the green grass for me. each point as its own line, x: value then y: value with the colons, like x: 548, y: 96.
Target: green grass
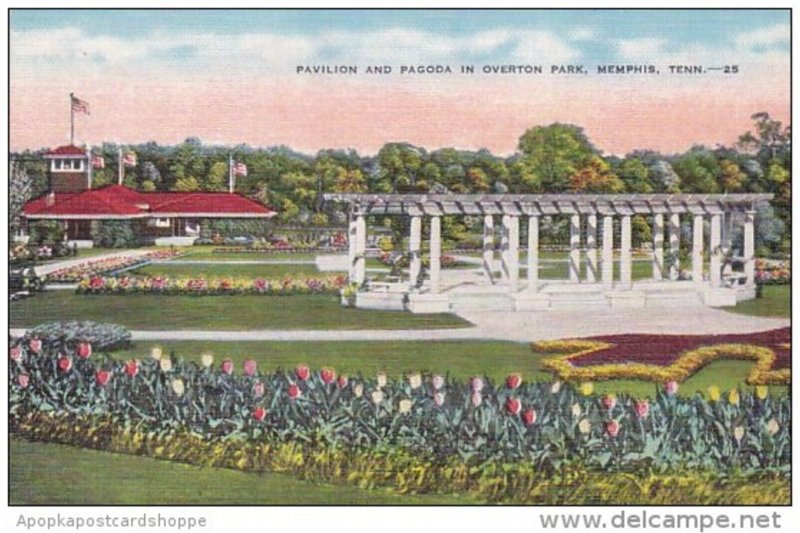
x: 53, y: 474
x: 461, y: 359
x: 239, y: 312
x: 207, y: 254
x: 226, y: 271
x: 776, y: 301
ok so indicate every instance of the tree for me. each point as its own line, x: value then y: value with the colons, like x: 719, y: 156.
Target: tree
x: 20, y: 187
x: 217, y: 179
x: 554, y: 153
x: 186, y: 184
x: 596, y: 177
x: 731, y: 176
x: 636, y: 176
x: 699, y: 171
x: 665, y: 177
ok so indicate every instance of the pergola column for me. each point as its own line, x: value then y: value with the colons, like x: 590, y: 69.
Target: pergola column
x: 697, y: 249
x: 504, y: 243
x: 352, y: 248
x: 749, y: 248
x: 574, y: 248
x: 361, y: 250
x: 533, y: 252
x: 591, y: 248
x: 513, y: 253
x: 488, y: 246
x: 436, y: 253
x: 608, y: 251
x: 414, y: 245
x: 674, y: 245
x: 715, y: 245
x: 658, y: 247
x: 727, y: 239
x: 625, y: 269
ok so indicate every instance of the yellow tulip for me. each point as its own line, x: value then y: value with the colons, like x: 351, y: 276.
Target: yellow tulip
x: 713, y: 393
x: 733, y: 397
x: 587, y: 389
x: 762, y: 391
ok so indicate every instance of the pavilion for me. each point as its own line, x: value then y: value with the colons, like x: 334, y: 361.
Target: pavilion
x: 592, y: 218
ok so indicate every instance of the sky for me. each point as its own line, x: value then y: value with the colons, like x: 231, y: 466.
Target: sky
x: 231, y: 76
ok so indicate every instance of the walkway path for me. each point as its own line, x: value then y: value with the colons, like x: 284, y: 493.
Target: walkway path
x: 511, y: 326
x: 43, y: 270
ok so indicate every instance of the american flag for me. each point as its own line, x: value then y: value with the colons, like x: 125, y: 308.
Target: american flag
x: 239, y: 169
x: 98, y: 161
x: 78, y: 105
x: 129, y: 159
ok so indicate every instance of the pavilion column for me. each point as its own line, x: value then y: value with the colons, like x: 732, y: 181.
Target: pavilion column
x: 414, y: 244
x: 504, y: 244
x: 575, y: 248
x: 361, y: 250
x: 608, y: 251
x: 715, y: 245
x: 749, y: 248
x: 658, y: 247
x: 351, y: 249
x: 674, y: 245
x: 488, y: 246
x: 697, y: 249
x: 513, y: 253
x: 436, y: 253
x: 625, y: 259
x: 533, y: 252
x: 591, y: 248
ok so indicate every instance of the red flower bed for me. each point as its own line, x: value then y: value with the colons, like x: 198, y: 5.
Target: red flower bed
x: 663, y: 350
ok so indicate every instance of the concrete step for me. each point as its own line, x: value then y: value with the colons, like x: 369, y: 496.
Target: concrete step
x: 481, y: 301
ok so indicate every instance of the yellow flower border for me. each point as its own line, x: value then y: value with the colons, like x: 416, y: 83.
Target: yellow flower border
x: 682, y: 368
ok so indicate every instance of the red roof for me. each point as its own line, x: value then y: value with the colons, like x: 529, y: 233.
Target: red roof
x: 69, y: 150
x: 118, y: 201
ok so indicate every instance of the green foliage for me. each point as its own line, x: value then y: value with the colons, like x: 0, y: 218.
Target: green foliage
x: 64, y: 334
x: 115, y: 234
x: 551, y: 154
x: 49, y: 232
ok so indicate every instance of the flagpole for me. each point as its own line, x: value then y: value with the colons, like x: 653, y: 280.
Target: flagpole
x: 71, y: 120
x: 230, y: 173
x: 121, y: 171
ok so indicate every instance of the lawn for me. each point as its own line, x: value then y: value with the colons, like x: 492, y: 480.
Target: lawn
x: 212, y: 270
x: 240, y: 312
x: 460, y: 359
x: 53, y: 474
x: 208, y: 254
x: 776, y: 301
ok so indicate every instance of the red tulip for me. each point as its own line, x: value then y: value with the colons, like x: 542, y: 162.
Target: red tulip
x: 259, y: 413
x: 249, y: 367
x: 64, y: 363
x: 327, y: 375
x: 15, y: 353
x: 342, y: 381
x: 258, y: 389
x: 642, y: 408
x: 23, y: 380
x: 513, y: 406
x: 608, y: 401
x: 612, y: 428
x: 132, y: 367
x: 227, y: 367
x: 529, y: 417
x: 84, y: 350
x: 293, y: 391
x: 102, y: 377
x: 35, y: 345
x: 513, y: 381
x: 302, y: 372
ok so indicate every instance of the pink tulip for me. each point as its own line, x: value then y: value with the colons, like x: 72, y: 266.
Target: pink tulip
x: 327, y: 375
x: 612, y: 428
x: 529, y: 417
x: 249, y: 367
x: 35, y: 345
x: 227, y: 367
x: 671, y: 388
x: 64, y: 363
x: 513, y: 381
x: 259, y: 414
x: 15, y: 353
x: 476, y: 399
x: 132, y: 368
x: 438, y: 399
x: 513, y: 406
x: 476, y: 384
x: 258, y: 389
x: 23, y: 380
x: 293, y: 391
x: 608, y: 401
x: 302, y: 372
x: 642, y: 408
x: 342, y: 381
x: 102, y: 377
x: 437, y: 381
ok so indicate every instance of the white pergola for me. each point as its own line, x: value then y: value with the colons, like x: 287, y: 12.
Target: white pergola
x: 585, y: 212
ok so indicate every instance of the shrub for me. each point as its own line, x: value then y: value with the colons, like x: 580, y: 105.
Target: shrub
x: 101, y: 336
x: 115, y: 234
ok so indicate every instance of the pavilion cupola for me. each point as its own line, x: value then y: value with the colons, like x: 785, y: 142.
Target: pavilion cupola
x: 69, y: 169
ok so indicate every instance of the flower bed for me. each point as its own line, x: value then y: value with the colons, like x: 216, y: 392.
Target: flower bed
x: 391, y: 259
x: 101, y: 336
x: 288, y: 249
x: 664, y: 358
x: 475, y: 425
x: 773, y: 273
x: 210, y: 287
x: 99, y: 267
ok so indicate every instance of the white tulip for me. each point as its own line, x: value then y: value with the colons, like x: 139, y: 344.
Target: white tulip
x: 377, y: 396
x: 178, y: 387
x: 166, y: 364
x: 404, y: 406
x: 576, y: 410
x: 584, y: 426
x: 207, y: 359
x: 156, y: 353
x: 773, y: 427
x: 415, y: 380
x: 381, y: 380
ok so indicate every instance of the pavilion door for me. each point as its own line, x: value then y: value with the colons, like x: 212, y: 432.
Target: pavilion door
x: 178, y: 227
x: 79, y: 230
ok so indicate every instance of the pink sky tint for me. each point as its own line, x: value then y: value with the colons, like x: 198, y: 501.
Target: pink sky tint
x: 325, y: 112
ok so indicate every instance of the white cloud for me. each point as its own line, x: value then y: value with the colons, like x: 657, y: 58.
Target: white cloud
x: 764, y: 37
x: 581, y: 33
x: 635, y: 49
